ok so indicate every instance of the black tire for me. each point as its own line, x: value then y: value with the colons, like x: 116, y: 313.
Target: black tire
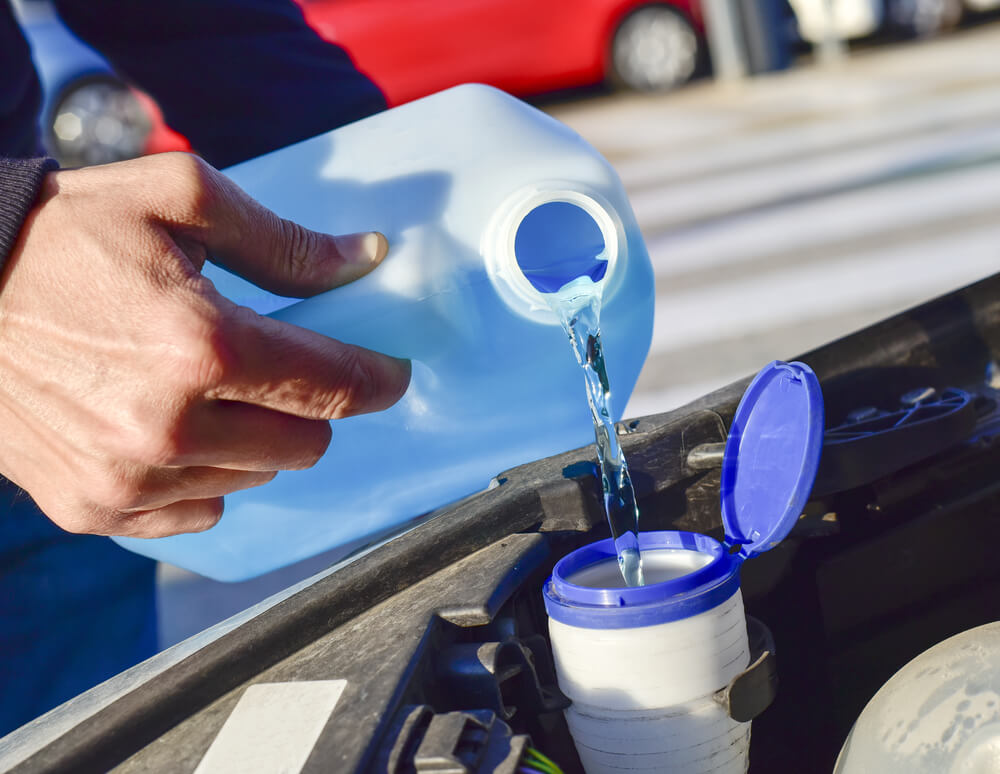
x: 655, y: 48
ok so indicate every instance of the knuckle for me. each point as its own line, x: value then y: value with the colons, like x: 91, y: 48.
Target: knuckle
x: 163, y: 449
x: 150, y: 441
x: 208, y: 365
x: 298, y: 245
x: 81, y: 509
x: 82, y: 519
x: 190, y: 183
x: 111, y: 493
x: 205, y: 354
x: 188, y: 171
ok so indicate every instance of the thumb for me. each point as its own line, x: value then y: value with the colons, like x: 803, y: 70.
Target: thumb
x: 279, y: 255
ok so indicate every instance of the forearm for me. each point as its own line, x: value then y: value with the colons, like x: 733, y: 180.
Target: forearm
x: 20, y: 180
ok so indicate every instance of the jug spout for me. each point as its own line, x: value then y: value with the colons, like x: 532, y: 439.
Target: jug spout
x: 548, y: 236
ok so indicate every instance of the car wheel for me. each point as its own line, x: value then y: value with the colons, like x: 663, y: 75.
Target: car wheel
x: 923, y: 18
x: 654, y: 48
x: 98, y: 121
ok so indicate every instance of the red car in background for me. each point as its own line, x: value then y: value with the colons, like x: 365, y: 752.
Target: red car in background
x: 412, y: 48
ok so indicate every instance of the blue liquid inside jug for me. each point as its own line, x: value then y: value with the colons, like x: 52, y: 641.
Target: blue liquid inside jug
x: 558, y: 242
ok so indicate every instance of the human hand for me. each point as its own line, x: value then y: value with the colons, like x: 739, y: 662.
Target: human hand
x: 133, y: 396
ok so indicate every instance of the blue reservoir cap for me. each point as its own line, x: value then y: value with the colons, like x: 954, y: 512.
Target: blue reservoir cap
x: 771, y: 457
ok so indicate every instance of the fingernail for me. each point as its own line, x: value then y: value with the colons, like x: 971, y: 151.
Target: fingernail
x: 368, y: 247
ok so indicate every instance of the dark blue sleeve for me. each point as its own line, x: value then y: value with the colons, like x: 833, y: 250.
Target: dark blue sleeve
x: 237, y: 77
x: 20, y: 93
x: 74, y: 610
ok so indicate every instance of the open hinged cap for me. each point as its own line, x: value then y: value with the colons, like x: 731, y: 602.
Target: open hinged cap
x: 771, y: 457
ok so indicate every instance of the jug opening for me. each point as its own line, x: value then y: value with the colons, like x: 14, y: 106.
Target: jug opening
x: 545, y: 236
x: 558, y: 242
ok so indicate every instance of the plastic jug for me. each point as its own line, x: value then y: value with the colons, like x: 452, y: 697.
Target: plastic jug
x: 642, y: 664
x: 453, y: 180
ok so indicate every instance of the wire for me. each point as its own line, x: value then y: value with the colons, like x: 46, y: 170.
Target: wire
x: 534, y: 758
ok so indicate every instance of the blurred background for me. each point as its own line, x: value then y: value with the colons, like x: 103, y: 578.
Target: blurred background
x: 799, y: 168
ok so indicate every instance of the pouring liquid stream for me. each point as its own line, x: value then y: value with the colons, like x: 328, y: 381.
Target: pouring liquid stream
x: 578, y: 307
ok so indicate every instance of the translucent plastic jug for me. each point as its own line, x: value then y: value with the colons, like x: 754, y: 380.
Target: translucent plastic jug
x: 453, y: 180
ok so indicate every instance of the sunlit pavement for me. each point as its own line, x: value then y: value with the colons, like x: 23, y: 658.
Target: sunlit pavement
x: 780, y: 214
x: 787, y: 211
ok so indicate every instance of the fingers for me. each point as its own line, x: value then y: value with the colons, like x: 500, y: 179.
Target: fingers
x: 276, y: 254
x: 174, y: 519
x: 165, y: 486
x: 278, y: 365
x: 301, y: 372
x: 240, y: 436
x: 167, y: 502
x: 288, y: 259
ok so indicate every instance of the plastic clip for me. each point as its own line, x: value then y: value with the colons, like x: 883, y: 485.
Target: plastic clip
x: 752, y: 690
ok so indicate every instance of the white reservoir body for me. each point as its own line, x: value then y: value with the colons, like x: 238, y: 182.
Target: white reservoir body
x: 642, y: 673
x: 447, y: 179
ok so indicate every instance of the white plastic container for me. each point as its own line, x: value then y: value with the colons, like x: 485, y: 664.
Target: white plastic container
x: 642, y: 664
x: 449, y: 180
x: 642, y: 689
x: 939, y: 714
